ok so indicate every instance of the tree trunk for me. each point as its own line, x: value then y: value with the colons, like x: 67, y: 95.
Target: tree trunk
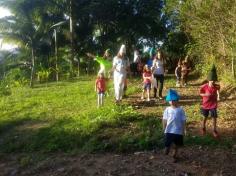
x: 32, y: 68
x: 72, y: 38
x: 56, y: 55
x: 78, y: 71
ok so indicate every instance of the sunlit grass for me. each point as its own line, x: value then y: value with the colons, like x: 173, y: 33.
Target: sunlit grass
x: 64, y: 117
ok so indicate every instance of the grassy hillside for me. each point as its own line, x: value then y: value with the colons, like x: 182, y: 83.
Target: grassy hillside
x: 64, y: 117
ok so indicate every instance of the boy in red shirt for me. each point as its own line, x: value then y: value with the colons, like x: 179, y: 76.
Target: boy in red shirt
x: 210, y: 93
x: 147, y: 76
x: 100, y: 88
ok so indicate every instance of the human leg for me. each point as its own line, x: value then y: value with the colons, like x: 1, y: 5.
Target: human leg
x: 175, y: 154
x: 148, y: 88
x: 178, y: 141
x: 102, y: 99
x: 148, y: 94
x: 161, y: 78
x: 117, y: 85
x: 156, y: 86
x: 168, y: 142
x: 98, y: 100
x: 205, y: 113
x: 214, y: 120
x: 142, y: 97
x: 121, y: 84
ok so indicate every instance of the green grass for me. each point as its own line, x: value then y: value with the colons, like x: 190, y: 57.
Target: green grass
x: 64, y: 117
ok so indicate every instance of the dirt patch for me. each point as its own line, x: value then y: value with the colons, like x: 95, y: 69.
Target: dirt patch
x: 195, y: 160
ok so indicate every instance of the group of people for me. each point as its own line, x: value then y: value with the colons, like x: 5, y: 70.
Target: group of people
x: 119, y: 67
x: 181, y: 72
x: 153, y: 76
x: 174, y: 118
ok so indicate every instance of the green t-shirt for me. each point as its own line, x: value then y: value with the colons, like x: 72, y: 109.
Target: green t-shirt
x: 104, y: 62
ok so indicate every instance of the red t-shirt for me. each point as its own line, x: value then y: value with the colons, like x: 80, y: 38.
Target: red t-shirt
x: 147, y: 74
x: 101, y: 84
x: 209, y: 102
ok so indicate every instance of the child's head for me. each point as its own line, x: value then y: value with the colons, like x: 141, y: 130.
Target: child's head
x: 100, y: 75
x: 172, y: 97
x: 184, y: 63
x: 107, y: 53
x: 146, y: 68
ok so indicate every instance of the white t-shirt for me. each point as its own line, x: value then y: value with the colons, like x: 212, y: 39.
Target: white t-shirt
x: 120, y: 65
x: 158, y: 67
x: 175, y: 120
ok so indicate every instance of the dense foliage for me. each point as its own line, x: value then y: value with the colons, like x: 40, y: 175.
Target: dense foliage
x: 54, y: 35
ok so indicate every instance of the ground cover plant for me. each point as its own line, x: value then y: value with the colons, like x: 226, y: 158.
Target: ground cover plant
x: 64, y: 117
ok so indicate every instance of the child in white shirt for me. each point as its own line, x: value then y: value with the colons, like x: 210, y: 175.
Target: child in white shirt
x: 174, y: 120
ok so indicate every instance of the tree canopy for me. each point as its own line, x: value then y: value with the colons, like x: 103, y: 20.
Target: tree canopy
x: 201, y: 30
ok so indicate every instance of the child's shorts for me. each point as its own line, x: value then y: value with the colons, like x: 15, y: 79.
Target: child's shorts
x: 212, y: 112
x: 178, y: 78
x: 101, y: 92
x: 171, y: 138
x: 147, y: 86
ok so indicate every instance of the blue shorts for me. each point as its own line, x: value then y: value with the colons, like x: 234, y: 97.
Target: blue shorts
x: 206, y: 112
x: 170, y: 138
x: 147, y: 86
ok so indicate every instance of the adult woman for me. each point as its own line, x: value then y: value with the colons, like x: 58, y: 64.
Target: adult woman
x: 120, y: 66
x: 158, y: 73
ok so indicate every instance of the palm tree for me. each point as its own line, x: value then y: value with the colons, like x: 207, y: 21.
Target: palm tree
x: 23, y: 28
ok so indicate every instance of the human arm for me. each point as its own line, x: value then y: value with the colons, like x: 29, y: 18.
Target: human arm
x: 218, y: 95
x: 203, y: 93
x: 176, y: 71
x: 218, y: 91
x: 164, y: 120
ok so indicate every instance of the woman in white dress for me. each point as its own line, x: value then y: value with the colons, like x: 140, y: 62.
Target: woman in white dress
x: 120, y: 67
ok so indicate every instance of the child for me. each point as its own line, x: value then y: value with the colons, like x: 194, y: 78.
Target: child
x: 178, y: 74
x: 173, y: 123
x: 184, y: 73
x: 210, y: 93
x: 147, y: 76
x: 100, y: 88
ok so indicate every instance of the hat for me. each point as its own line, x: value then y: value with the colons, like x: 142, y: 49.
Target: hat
x: 212, y: 76
x: 122, y: 49
x: 107, y: 50
x: 172, y: 95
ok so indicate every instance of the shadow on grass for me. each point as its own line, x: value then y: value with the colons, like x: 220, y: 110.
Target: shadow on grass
x: 124, y: 133
x: 190, y: 100
x: 127, y: 133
